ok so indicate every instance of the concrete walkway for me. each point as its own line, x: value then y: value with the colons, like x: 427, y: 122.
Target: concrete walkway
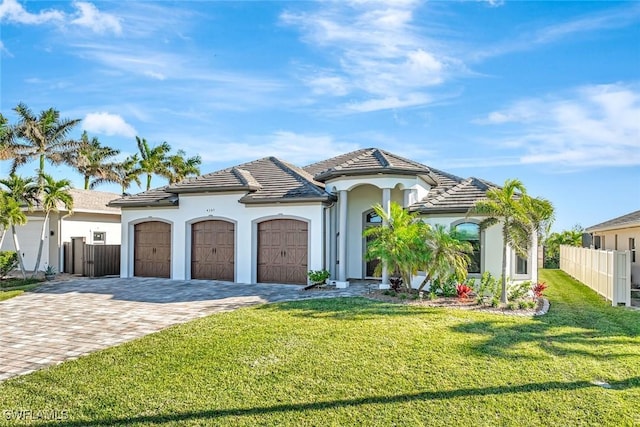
x: 65, y: 320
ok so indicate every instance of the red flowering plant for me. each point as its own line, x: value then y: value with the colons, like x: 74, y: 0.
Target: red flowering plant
x: 463, y: 291
x: 538, y: 289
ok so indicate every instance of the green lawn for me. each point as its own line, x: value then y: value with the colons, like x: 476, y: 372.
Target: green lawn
x: 10, y: 288
x: 355, y: 361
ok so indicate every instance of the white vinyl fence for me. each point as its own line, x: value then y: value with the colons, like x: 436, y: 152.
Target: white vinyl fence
x: 606, y: 272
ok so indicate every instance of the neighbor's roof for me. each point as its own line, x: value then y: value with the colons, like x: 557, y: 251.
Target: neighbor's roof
x: 89, y: 201
x: 454, y: 196
x: 629, y: 220
x: 265, y: 180
x: 365, y: 162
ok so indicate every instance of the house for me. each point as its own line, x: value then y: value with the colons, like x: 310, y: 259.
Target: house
x: 91, y: 221
x: 619, y: 234
x: 268, y: 221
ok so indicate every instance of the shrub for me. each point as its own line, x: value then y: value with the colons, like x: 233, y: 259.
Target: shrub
x: 480, y: 300
x: 518, y: 291
x: 432, y: 295
x: 403, y: 296
x: 531, y: 304
x: 495, y: 302
x: 8, y: 261
x: 318, y: 277
x: 488, y: 286
x: 538, y: 289
x: 523, y: 304
x: 463, y: 291
x: 512, y: 305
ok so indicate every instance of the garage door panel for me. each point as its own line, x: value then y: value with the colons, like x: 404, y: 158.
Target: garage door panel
x: 213, y: 250
x: 152, y: 249
x: 282, y: 251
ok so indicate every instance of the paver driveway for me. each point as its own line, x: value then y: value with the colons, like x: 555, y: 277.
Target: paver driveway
x: 65, y: 320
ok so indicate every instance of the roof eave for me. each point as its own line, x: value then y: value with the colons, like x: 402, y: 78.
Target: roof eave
x: 206, y: 189
x: 596, y: 228
x: 260, y: 201
x: 323, y: 176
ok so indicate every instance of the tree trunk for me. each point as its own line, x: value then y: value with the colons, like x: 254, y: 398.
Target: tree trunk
x: 17, y: 245
x: 503, y: 296
x: 42, y: 235
x: 86, y: 182
x: 148, y: 182
x: 4, y: 233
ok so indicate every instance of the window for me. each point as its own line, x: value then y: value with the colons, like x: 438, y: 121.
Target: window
x: 598, y: 242
x: 373, y: 218
x: 521, y: 265
x: 470, y: 232
x: 632, y: 248
x: 99, y: 236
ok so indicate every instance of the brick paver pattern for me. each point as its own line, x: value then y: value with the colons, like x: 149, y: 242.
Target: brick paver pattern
x: 65, y: 320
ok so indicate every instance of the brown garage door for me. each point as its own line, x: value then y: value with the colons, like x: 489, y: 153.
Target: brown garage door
x: 282, y: 251
x: 212, y: 250
x: 152, y: 249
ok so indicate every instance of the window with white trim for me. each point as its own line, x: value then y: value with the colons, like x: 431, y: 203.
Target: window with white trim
x: 470, y: 232
x: 99, y: 237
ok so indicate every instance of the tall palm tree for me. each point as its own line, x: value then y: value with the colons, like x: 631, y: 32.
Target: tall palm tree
x: 92, y: 160
x: 445, y: 255
x: 6, y: 139
x: 153, y: 159
x: 181, y: 167
x: 43, y: 137
x: 53, y: 193
x: 400, y: 245
x: 18, y: 193
x: 520, y: 216
x: 124, y: 173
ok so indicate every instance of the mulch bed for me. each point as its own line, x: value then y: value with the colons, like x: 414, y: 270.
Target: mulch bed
x: 457, y: 303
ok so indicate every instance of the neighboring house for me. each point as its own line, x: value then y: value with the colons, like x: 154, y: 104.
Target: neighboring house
x: 91, y: 221
x: 620, y: 234
x: 268, y: 221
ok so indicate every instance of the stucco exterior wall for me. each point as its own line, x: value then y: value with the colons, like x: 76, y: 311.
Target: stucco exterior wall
x: 29, y: 240
x: 198, y: 207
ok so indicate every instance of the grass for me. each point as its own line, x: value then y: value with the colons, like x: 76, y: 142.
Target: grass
x: 355, y: 361
x: 10, y: 288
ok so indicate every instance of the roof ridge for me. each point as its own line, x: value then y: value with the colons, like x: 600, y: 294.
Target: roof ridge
x: 382, y: 157
x: 245, y: 177
x: 302, y: 178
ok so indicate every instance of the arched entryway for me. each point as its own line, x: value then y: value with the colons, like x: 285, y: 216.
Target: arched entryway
x: 152, y: 249
x: 213, y: 250
x: 371, y: 219
x: 282, y: 251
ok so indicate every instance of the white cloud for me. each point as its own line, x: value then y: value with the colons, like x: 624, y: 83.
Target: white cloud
x: 297, y: 148
x: 107, y: 124
x: 89, y: 16
x: 597, y: 125
x: 12, y: 11
x: 376, y: 50
x: 4, y: 50
x: 389, y: 103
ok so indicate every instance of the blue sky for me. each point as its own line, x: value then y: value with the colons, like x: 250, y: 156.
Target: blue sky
x: 547, y: 92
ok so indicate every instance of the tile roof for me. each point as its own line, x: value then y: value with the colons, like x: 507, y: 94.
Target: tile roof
x: 363, y: 162
x: 90, y: 201
x: 265, y: 180
x: 630, y: 219
x: 456, y: 198
x: 93, y: 201
x: 153, y: 197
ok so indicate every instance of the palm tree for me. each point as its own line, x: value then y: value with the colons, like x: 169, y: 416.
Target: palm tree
x: 445, y: 255
x: 92, y: 160
x: 520, y: 216
x: 44, y: 137
x: 181, y: 167
x: 124, y: 173
x: 17, y: 193
x: 53, y: 193
x: 401, y: 244
x: 153, y: 159
x: 6, y: 139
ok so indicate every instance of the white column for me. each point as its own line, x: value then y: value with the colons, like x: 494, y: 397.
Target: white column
x: 342, y: 242
x: 407, y: 197
x: 386, y: 205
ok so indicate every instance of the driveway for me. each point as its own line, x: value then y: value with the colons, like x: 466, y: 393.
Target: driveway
x: 65, y: 320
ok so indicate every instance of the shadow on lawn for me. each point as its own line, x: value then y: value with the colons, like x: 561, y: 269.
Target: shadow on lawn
x: 579, y: 323
x: 345, y: 403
